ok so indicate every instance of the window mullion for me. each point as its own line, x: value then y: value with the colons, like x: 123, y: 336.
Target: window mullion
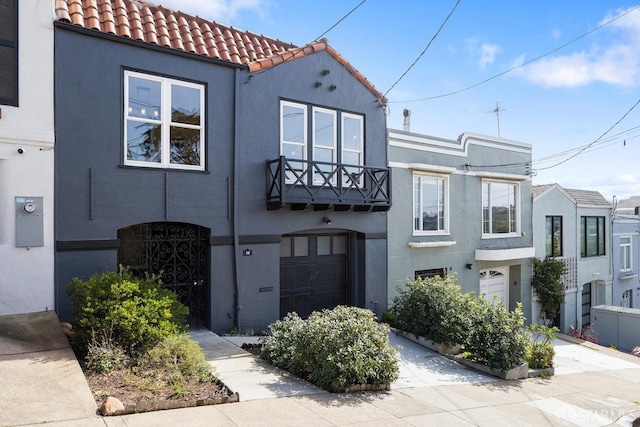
x: 166, y: 123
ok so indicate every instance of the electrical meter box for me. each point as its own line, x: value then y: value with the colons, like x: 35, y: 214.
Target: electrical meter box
x: 29, y: 222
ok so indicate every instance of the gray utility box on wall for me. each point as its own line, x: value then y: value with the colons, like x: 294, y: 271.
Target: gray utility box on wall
x: 29, y: 222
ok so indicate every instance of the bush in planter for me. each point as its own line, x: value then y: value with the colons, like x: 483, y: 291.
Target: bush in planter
x: 340, y: 347
x: 497, y: 336
x: 540, y: 352
x: 135, y: 313
x: 434, y: 308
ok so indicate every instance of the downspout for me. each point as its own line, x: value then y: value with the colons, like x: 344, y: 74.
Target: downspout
x: 234, y: 188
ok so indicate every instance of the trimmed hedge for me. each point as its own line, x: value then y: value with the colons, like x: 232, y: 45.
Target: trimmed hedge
x: 437, y: 309
x: 340, y: 347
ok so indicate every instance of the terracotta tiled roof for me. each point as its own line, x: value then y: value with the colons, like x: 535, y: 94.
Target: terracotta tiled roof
x: 158, y: 25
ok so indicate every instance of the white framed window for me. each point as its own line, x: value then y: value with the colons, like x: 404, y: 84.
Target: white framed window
x: 293, y: 136
x: 430, y: 204
x: 324, y: 144
x: 352, y: 147
x: 500, y: 209
x: 164, y: 122
x: 626, y: 256
x: 315, y: 140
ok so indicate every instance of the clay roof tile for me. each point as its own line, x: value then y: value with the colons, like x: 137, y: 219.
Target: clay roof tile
x: 145, y: 21
x: 161, y: 29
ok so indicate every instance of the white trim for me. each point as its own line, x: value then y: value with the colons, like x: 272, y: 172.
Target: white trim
x: 165, y: 121
x: 458, y: 147
x: 423, y: 167
x: 334, y: 140
x: 518, y: 213
x: 445, y: 214
x: 501, y: 176
x: 504, y: 254
x: 440, y: 244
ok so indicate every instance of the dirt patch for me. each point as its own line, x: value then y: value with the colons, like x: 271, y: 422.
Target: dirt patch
x: 132, y: 389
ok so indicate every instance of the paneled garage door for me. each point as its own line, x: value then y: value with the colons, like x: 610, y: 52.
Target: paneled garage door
x: 495, y: 281
x: 313, y: 272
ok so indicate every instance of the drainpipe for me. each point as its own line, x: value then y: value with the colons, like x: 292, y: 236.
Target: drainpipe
x: 236, y: 238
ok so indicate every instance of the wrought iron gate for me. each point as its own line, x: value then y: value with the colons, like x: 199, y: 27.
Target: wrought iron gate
x: 178, y: 253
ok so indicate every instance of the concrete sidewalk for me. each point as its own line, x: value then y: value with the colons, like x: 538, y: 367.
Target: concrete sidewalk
x: 593, y: 386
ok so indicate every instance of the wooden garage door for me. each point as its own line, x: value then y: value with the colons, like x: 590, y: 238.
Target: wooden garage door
x: 313, y: 272
x: 494, y: 282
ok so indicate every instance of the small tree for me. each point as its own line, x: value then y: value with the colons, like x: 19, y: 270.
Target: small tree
x: 547, y: 284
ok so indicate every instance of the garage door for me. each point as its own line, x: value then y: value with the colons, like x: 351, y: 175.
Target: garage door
x: 494, y: 282
x: 313, y: 273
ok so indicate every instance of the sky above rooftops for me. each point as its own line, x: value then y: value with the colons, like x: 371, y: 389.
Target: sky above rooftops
x: 561, y: 75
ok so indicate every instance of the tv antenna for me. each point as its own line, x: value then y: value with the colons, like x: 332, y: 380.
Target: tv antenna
x: 498, y: 108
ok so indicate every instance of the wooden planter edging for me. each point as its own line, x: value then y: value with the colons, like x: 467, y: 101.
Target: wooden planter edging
x: 444, y: 349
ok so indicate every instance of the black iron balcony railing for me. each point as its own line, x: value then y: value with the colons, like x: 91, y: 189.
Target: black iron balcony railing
x: 302, y: 183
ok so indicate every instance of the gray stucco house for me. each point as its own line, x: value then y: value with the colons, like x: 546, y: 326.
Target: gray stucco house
x: 251, y: 172
x: 575, y: 226
x: 462, y: 206
x: 625, y: 251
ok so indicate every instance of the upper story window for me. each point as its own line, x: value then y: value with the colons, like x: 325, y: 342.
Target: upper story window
x: 500, y: 209
x: 553, y: 242
x: 164, y: 122
x: 430, y: 204
x: 9, y: 52
x: 592, y: 230
x: 325, y: 137
x: 626, y: 257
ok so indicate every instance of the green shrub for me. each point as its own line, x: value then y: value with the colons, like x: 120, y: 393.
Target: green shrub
x: 343, y: 347
x: 497, y: 336
x: 547, y: 285
x: 179, y: 357
x: 434, y: 308
x: 104, y: 355
x: 540, y: 351
x: 137, y: 313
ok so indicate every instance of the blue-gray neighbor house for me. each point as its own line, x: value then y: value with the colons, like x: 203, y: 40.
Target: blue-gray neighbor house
x: 574, y: 226
x: 462, y: 207
x: 626, y: 262
x: 251, y: 173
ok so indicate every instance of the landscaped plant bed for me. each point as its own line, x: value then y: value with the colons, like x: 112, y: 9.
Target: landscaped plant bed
x: 137, y: 398
x: 440, y: 348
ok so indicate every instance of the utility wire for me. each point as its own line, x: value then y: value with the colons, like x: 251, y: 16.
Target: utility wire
x: 299, y: 49
x: 520, y: 65
x: 342, y: 19
x: 425, y: 49
x: 594, y: 142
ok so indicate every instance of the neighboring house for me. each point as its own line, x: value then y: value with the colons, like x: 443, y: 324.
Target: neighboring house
x: 26, y: 156
x: 575, y: 226
x: 250, y: 172
x: 462, y: 206
x: 626, y: 261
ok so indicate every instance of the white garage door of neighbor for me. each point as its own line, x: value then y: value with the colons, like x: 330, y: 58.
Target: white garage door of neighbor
x: 494, y: 282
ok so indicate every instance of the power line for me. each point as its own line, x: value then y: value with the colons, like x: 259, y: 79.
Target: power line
x: 342, y: 19
x: 425, y: 49
x: 523, y: 64
x: 582, y: 150
x: 299, y: 49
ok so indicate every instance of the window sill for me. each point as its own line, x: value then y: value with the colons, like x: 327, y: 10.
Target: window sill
x: 432, y: 244
x: 627, y: 275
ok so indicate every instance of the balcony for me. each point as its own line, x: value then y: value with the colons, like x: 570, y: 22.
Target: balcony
x: 301, y: 184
